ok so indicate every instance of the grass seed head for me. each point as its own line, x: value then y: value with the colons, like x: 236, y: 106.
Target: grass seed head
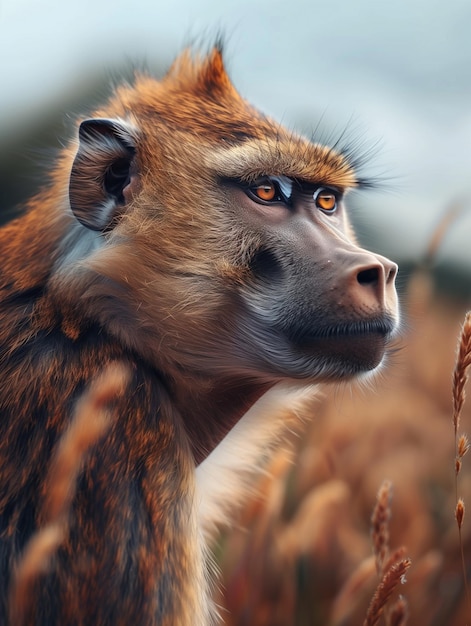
x: 459, y: 512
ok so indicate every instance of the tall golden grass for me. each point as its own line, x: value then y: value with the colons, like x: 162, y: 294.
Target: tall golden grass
x: 460, y: 378
x: 391, y: 567
x: 90, y: 424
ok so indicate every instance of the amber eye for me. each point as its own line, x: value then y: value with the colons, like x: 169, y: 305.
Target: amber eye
x: 266, y: 191
x: 325, y: 199
x: 271, y: 190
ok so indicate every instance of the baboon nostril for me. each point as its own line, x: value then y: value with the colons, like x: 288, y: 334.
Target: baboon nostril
x: 391, y: 274
x: 369, y: 276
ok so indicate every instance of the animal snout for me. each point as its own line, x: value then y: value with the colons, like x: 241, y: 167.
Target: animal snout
x: 370, y: 285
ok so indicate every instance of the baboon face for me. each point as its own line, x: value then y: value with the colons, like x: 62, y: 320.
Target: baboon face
x: 315, y: 305
x: 228, y: 235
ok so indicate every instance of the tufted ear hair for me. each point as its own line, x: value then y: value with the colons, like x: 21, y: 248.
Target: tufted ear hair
x: 101, y: 172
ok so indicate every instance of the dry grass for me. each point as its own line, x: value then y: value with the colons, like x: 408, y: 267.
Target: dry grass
x: 301, y: 553
x: 393, y: 577
x: 380, y: 525
x: 391, y: 567
x: 460, y: 373
x: 460, y: 378
x: 90, y: 423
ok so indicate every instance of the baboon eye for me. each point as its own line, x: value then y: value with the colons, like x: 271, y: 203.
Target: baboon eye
x: 325, y: 199
x: 265, y: 191
x: 269, y: 190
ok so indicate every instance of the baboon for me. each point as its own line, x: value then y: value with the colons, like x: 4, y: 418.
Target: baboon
x: 205, y: 249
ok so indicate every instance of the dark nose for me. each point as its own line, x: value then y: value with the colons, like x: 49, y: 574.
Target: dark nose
x: 371, y: 283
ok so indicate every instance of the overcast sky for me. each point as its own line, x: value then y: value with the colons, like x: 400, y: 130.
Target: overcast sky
x: 399, y: 73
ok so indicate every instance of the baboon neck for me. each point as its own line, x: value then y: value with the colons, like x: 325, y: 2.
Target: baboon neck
x: 219, y: 404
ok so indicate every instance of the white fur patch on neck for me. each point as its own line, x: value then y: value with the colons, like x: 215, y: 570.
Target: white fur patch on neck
x: 224, y: 478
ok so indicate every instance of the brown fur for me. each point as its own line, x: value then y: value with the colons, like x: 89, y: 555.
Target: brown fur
x: 172, y: 273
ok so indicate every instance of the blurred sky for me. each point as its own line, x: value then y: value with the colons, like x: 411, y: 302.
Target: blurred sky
x: 397, y: 73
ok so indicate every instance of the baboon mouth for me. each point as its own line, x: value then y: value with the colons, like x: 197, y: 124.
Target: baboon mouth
x: 383, y: 327
x: 354, y: 346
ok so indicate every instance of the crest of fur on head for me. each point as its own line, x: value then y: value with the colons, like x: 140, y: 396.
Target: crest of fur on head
x: 206, y: 251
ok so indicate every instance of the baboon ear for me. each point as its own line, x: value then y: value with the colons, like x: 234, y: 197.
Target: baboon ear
x: 101, y: 172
